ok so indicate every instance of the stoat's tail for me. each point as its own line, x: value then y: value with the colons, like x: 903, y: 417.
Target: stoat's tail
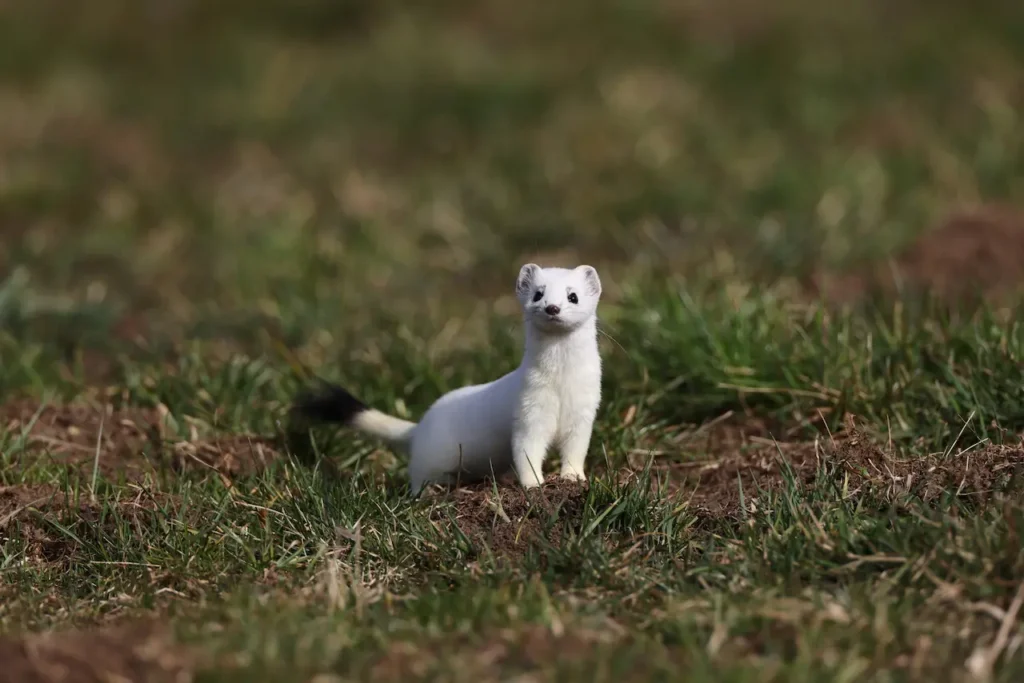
x: 332, y: 403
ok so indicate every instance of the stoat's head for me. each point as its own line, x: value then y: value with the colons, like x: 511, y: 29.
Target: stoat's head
x: 558, y: 300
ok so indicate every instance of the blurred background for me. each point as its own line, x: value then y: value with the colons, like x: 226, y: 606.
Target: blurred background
x: 264, y: 172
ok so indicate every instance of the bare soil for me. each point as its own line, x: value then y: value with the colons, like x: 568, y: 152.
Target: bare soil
x: 750, y: 465
x: 974, y: 255
x: 508, y: 520
x: 128, y: 441
x: 136, y: 652
x: 39, y: 514
x: 20, y: 508
x: 502, y: 651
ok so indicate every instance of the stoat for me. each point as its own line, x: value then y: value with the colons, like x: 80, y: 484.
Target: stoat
x: 485, y: 429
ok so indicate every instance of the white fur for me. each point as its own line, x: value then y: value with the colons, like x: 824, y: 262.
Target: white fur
x: 550, y: 399
x: 385, y: 426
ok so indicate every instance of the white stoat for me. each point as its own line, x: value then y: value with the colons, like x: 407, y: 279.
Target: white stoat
x: 483, y: 429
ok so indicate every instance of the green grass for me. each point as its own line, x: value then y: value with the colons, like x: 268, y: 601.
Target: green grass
x: 265, y: 193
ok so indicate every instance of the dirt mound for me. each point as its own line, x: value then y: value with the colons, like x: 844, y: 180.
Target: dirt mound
x: 973, y: 472
x: 231, y: 456
x: 497, y: 654
x: 973, y: 256
x: 508, y: 520
x: 52, y: 527
x: 719, y: 484
x: 977, y: 253
x: 14, y: 500
x: 140, y: 652
x: 18, y: 505
x: 22, y: 509
x: 129, y: 441
x: 72, y: 433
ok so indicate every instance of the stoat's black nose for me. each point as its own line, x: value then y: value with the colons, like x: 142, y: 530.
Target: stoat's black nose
x: 552, y: 310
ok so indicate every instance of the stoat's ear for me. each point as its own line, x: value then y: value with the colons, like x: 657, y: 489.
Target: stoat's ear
x: 527, y: 275
x: 590, y: 280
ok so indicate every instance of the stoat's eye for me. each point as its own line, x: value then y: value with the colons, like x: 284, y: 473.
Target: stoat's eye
x: 573, y: 299
x: 537, y: 296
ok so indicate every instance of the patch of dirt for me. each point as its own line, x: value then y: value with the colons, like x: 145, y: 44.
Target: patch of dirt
x: 72, y: 433
x: 495, y: 655
x: 20, y: 507
x: 714, y: 485
x: 16, y: 499
x: 893, y: 125
x: 231, y: 456
x: 975, y: 255
x: 976, y: 473
x: 509, y: 520
x: 851, y: 459
x: 136, y: 652
x: 977, y: 252
x: 36, y: 515
x: 131, y: 441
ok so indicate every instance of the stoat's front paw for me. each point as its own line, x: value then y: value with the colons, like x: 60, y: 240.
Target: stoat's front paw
x: 572, y: 475
x: 530, y: 482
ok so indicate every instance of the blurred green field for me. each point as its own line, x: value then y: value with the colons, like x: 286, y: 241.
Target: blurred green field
x: 805, y: 216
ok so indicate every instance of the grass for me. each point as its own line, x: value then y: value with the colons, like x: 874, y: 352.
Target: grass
x: 202, y: 207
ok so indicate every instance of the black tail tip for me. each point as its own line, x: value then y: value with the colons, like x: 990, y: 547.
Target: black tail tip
x: 327, y: 403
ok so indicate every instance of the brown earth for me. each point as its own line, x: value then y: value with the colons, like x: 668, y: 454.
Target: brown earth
x: 851, y: 460
x: 136, y: 652
x: 53, y: 526
x: 502, y: 651
x: 19, y: 506
x: 974, y: 255
x: 132, y: 441
x: 508, y: 521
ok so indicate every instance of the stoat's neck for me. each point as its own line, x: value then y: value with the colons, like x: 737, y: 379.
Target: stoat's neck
x: 547, y: 349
